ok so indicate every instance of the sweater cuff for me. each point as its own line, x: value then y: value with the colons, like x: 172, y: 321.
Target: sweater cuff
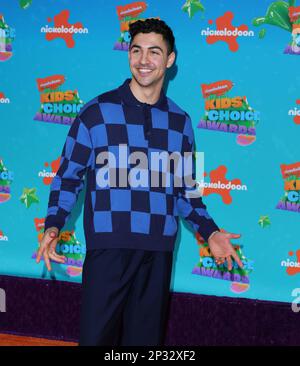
x: 212, y: 234
x: 55, y: 221
x: 208, y: 229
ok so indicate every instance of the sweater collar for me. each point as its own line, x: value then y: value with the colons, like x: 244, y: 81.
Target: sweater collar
x: 129, y: 99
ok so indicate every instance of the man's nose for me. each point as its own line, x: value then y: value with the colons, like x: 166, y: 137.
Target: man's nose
x: 144, y: 58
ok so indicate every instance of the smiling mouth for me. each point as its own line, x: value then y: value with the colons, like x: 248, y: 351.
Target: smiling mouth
x: 144, y: 71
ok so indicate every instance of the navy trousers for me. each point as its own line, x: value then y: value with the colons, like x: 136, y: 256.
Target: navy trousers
x: 125, y: 297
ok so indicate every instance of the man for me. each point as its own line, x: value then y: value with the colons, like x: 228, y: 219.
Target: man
x: 130, y: 230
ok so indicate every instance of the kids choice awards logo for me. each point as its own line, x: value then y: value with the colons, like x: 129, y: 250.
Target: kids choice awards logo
x: 57, y: 105
x: 6, y: 178
x: 226, y: 32
x: 286, y: 16
x: 68, y: 246
x: 291, y: 199
x: 4, y: 99
x: 7, y: 36
x: 239, y: 277
x: 128, y: 14
x: 293, y: 48
x: 230, y: 114
x: 63, y: 29
x: 295, y: 112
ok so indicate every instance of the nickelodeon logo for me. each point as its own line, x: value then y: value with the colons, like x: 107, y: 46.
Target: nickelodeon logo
x: 219, y: 184
x: 292, y: 266
x: 63, y: 29
x: 127, y: 14
x: 3, y: 237
x: 226, y: 32
x: 3, y: 99
x: 295, y: 112
x: 48, y: 176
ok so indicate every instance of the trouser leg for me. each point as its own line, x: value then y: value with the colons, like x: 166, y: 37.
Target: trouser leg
x: 106, y: 280
x: 145, y: 312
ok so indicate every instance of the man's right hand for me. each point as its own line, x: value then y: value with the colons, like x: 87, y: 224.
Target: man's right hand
x: 47, y: 248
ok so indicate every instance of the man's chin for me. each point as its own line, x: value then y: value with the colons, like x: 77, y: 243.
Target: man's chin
x: 145, y: 81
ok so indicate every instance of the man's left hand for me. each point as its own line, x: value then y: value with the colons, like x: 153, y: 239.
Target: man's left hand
x: 222, y: 249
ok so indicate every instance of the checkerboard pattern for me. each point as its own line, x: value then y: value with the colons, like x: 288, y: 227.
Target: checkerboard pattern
x: 109, y: 129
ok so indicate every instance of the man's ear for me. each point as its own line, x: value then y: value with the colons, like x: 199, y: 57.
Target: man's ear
x: 171, y: 59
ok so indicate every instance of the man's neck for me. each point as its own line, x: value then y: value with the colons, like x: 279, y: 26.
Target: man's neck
x: 149, y: 95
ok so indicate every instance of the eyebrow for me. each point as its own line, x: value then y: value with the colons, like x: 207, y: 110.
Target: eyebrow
x: 149, y: 48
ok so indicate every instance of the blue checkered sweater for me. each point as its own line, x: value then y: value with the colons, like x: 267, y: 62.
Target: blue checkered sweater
x: 126, y: 216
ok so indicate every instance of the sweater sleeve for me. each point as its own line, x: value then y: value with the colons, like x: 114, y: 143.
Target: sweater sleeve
x: 191, y: 207
x: 69, y: 180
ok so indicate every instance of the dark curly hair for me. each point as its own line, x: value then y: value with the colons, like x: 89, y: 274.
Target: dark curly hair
x: 153, y: 25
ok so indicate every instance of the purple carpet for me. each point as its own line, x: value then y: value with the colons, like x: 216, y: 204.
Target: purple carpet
x: 50, y: 309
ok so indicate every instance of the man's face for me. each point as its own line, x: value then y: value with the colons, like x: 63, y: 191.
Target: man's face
x: 149, y: 59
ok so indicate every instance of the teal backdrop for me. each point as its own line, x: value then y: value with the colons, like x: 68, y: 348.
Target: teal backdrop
x: 242, y: 51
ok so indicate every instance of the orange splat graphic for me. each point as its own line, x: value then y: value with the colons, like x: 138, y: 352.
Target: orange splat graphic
x: 1, y: 233
x: 2, y: 95
x: 62, y: 19
x: 294, y: 270
x: 54, y: 167
x: 219, y: 175
x: 39, y: 223
x: 222, y: 23
x: 297, y: 118
x: 132, y: 10
x: 199, y: 239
